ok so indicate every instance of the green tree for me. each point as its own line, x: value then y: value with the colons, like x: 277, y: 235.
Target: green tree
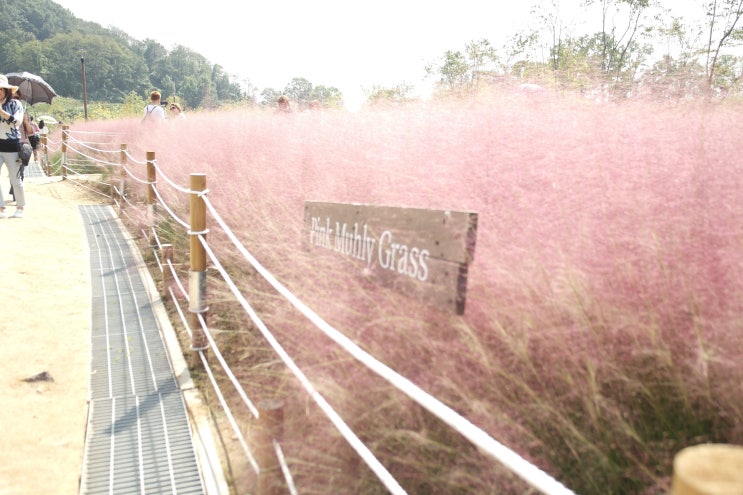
x: 482, y: 59
x: 133, y: 104
x: 269, y: 97
x: 456, y: 71
x: 453, y: 73
x: 41, y: 37
x: 226, y: 89
x: 299, y: 90
x: 328, y: 97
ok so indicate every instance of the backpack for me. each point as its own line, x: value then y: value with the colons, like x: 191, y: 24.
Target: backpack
x: 148, y: 111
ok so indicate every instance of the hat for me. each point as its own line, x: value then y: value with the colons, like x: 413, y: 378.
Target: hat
x: 4, y: 84
x: 176, y: 105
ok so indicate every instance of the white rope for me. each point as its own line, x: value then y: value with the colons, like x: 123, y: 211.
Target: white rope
x: 89, y: 157
x: 134, y: 177
x: 99, y: 133
x: 175, y: 277
x: 161, y: 173
x: 217, y: 390
x: 285, y: 468
x: 226, y: 367
x: 138, y: 162
x: 87, y: 144
x: 172, y: 214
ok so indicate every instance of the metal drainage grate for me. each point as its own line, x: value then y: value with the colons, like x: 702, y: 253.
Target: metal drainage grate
x: 138, y: 437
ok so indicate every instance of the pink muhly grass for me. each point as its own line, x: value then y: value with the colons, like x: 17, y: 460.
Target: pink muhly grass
x: 602, y: 330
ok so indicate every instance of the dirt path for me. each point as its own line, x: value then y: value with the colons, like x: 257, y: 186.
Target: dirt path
x: 44, y: 327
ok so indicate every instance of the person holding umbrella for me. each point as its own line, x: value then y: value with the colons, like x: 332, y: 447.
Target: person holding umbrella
x: 11, y: 116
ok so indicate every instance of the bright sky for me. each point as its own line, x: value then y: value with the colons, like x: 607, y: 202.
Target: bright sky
x: 338, y: 43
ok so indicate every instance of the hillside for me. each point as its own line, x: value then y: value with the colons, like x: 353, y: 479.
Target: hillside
x: 42, y: 37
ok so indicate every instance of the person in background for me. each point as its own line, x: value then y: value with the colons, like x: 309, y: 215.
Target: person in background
x: 34, y: 136
x: 177, y: 111
x: 43, y: 129
x: 284, y: 105
x: 11, y: 117
x: 154, y: 111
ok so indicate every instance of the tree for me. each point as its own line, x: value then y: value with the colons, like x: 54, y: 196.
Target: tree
x: 620, y: 41
x: 328, y: 97
x: 226, y: 90
x: 723, y: 31
x: 463, y: 72
x: 269, y: 96
x: 133, y: 104
x: 453, y: 73
x: 299, y: 90
x: 395, y: 95
x: 481, y: 57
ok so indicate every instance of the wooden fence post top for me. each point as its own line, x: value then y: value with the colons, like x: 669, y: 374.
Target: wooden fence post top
x: 708, y: 469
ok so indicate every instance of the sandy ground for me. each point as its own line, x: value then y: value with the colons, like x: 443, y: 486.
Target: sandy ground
x: 44, y: 327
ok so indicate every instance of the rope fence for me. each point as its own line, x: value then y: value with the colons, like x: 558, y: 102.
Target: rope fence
x: 113, y: 173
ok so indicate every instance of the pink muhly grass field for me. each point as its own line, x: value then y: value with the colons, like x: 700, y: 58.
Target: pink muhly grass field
x: 605, y: 302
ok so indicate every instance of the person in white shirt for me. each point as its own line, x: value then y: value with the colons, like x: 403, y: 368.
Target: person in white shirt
x: 154, y: 111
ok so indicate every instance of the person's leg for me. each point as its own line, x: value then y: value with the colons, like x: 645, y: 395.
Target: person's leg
x: 13, y: 167
x: 2, y: 200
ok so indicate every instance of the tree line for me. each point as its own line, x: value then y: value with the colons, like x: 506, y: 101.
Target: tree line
x: 620, y: 58
x: 42, y: 37
x: 637, y: 48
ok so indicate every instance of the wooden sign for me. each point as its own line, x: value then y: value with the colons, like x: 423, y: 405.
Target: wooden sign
x: 422, y: 252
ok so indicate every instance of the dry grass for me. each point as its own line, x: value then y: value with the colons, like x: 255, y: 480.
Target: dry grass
x: 602, y: 331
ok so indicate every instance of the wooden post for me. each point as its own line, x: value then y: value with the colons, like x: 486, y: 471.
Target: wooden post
x: 151, y: 178
x: 121, y: 177
x: 270, y: 426
x: 151, y: 197
x: 65, y: 131
x: 708, y: 469
x: 116, y: 193
x: 197, y: 272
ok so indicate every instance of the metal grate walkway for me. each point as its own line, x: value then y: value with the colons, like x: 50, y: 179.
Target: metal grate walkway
x: 138, y: 438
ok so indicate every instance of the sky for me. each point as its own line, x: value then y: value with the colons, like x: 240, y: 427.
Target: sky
x: 346, y: 44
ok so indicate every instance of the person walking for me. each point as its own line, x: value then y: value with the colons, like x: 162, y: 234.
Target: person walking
x: 34, y: 136
x: 154, y: 111
x: 11, y: 117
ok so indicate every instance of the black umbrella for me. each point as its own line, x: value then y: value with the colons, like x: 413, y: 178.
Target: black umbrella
x: 33, y: 88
